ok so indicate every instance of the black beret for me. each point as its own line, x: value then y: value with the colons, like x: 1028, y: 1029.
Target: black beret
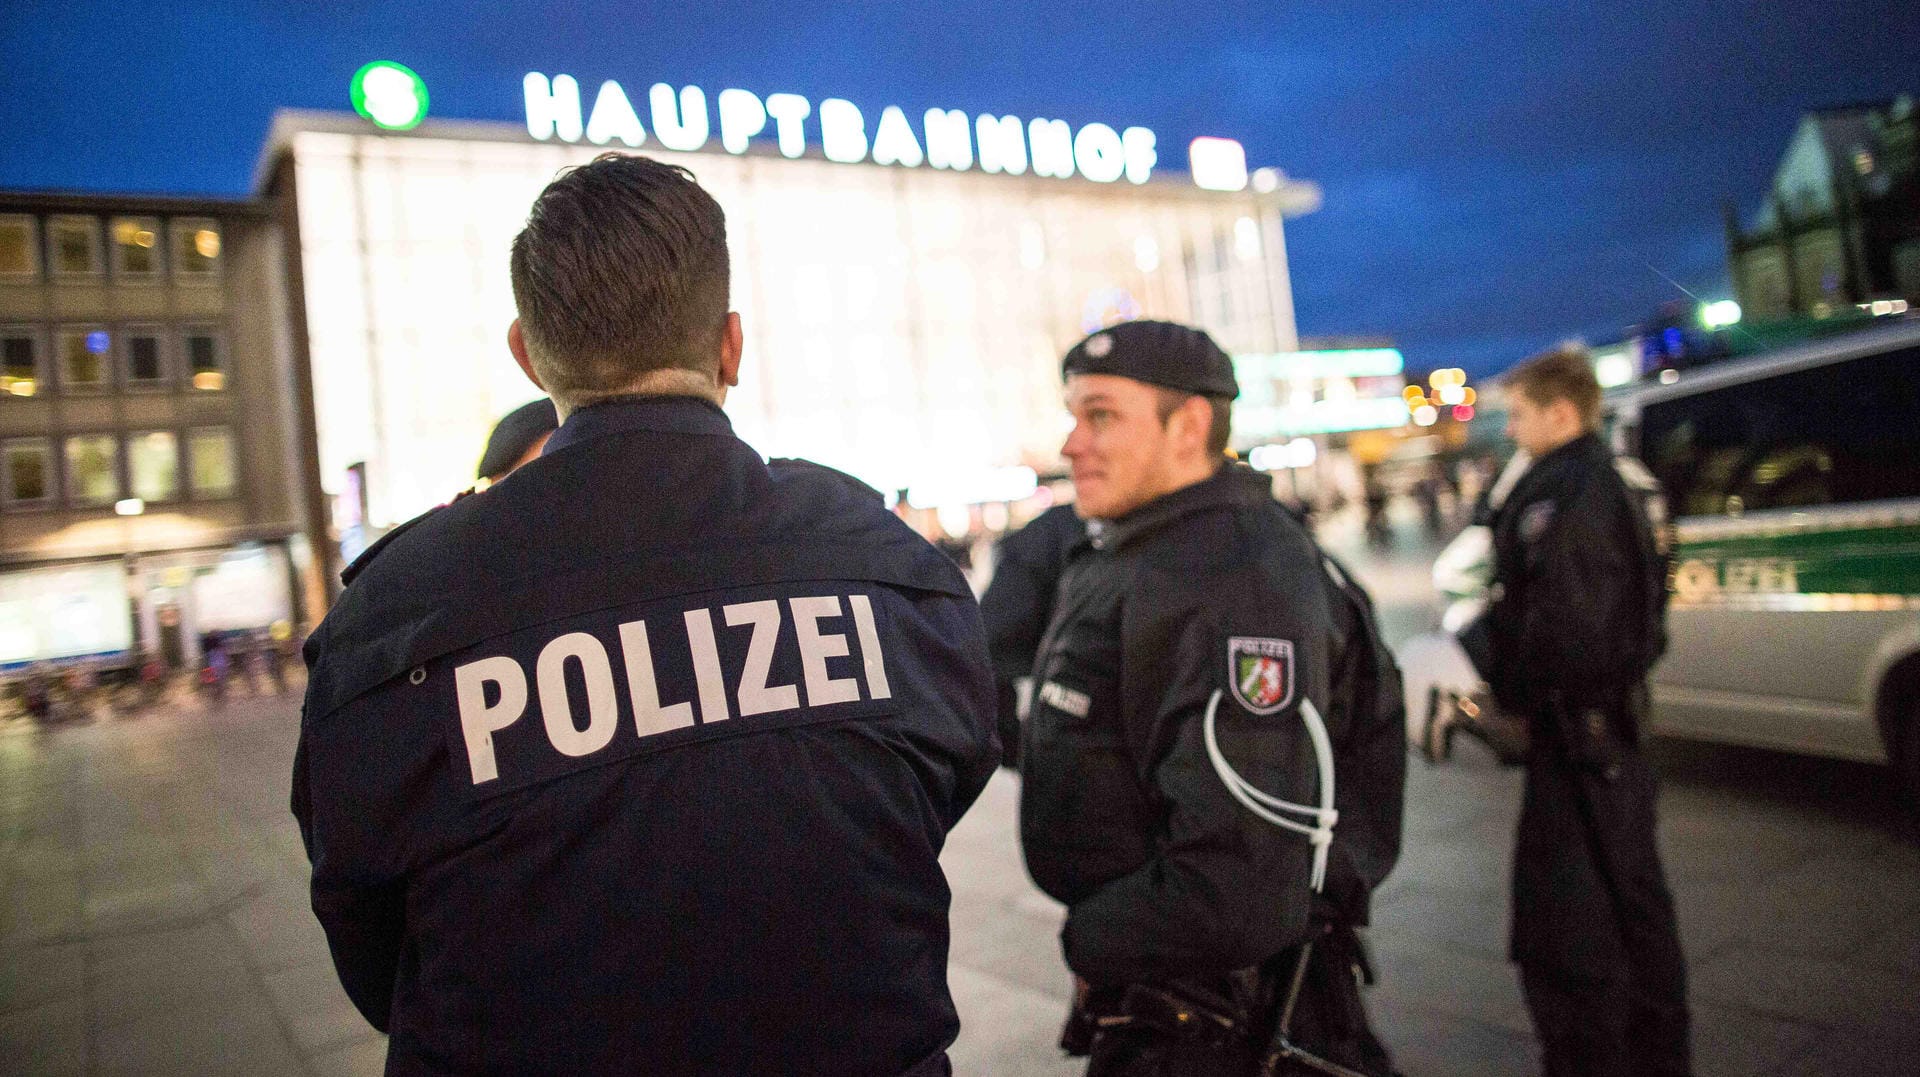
x: 1158, y: 353
x: 514, y: 433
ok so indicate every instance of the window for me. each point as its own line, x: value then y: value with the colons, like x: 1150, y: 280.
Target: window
x: 146, y: 362
x: 136, y: 248
x: 27, y: 478
x: 210, y: 457
x: 85, y: 357
x: 1831, y: 435
x: 153, y: 463
x: 206, y: 365
x: 196, y: 249
x: 74, y: 244
x: 20, y: 362
x: 19, y: 248
x: 93, y: 469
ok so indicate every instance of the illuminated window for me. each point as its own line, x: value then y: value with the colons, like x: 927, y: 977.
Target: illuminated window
x: 146, y: 358
x: 153, y: 462
x: 93, y: 469
x: 85, y: 357
x: 19, y: 248
x: 20, y: 373
x: 27, y: 472
x: 74, y: 245
x: 196, y: 249
x: 206, y: 365
x: 136, y: 248
x: 211, y: 464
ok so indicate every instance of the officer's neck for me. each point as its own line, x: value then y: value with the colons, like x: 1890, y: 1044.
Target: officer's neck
x: 701, y: 385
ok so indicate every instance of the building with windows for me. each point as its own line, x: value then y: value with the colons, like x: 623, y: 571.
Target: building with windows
x: 904, y: 321
x: 1839, y: 228
x: 146, y: 426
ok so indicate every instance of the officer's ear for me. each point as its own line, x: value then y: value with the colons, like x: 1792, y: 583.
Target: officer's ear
x: 517, y: 344
x: 732, y: 342
x: 1190, y: 425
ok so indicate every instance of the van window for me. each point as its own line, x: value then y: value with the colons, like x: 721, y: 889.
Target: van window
x: 1830, y: 435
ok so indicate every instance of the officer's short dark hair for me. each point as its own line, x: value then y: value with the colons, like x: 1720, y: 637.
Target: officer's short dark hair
x: 1563, y: 373
x: 1219, y: 431
x: 621, y: 270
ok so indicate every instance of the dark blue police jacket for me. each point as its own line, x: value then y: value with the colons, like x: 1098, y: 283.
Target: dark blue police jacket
x: 641, y: 762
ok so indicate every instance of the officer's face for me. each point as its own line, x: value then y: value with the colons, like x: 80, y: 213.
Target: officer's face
x: 1120, y: 451
x: 1540, y: 428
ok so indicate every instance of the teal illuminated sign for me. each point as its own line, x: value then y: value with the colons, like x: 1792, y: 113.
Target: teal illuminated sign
x: 390, y: 95
x: 1341, y: 363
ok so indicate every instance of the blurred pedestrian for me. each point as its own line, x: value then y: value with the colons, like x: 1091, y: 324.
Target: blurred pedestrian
x: 1204, y: 677
x: 1017, y: 605
x: 1575, y: 625
x: 641, y: 761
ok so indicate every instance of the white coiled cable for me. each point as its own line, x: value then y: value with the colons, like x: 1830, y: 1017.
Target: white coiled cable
x: 1268, y: 807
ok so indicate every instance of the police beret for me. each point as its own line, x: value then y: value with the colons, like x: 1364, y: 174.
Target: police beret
x: 514, y: 433
x: 1158, y: 353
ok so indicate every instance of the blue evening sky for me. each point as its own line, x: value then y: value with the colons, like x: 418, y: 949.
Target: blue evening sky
x: 1497, y: 176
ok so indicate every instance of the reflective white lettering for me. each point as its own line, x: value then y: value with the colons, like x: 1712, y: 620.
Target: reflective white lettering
x: 1138, y: 143
x: 684, y: 127
x: 843, y: 131
x: 479, y: 722
x: 893, y: 141
x: 1099, y: 154
x: 870, y: 656
x: 1003, y: 148
x: 556, y: 708
x: 755, y: 696
x: 949, y: 142
x: 816, y: 647
x: 613, y: 117
x: 706, y: 666
x: 1050, y: 145
x: 649, y: 717
x: 789, y: 112
x: 552, y: 108
x: 742, y: 116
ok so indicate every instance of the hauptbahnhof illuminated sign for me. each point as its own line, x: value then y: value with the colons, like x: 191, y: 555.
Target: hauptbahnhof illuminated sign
x: 945, y: 138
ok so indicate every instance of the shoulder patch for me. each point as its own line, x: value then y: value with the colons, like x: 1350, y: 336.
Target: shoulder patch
x: 1260, y: 672
x: 1535, y: 520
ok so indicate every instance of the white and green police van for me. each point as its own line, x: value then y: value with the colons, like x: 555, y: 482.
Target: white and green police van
x: 1793, y: 481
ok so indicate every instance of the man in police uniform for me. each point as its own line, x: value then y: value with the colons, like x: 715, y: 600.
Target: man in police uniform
x: 641, y: 760
x: 1575, y: 624
x: 1195, y: 639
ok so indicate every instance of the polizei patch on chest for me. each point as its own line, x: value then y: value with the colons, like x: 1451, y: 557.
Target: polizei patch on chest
x: 602, y: 687
x: 1260, y: 672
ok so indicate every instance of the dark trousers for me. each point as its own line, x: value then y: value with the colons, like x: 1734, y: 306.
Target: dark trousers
x: 1594, y: 930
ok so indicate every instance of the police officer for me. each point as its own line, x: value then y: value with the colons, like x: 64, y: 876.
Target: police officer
x: 1171, y: 776
x: 1575, y: 624
x: 641, y: 762
x: 1018, y: 603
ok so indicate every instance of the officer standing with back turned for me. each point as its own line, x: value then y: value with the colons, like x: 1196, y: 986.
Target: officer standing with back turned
x: 1209, y: 782
x: 641, y: 760
x: 1575, y: 624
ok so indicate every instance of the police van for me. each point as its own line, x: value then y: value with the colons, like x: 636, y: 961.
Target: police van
x: 1793, y: 480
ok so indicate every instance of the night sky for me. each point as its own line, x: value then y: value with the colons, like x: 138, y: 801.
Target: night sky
x: 1496, y: 179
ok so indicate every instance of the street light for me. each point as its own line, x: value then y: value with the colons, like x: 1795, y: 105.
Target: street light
x: 1719, y: 314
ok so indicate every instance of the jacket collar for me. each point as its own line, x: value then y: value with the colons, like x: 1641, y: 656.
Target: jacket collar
x: 1233, y: 486
x: 627, y: 414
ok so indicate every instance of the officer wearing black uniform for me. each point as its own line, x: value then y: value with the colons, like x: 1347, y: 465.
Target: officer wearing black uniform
x: 1018, y: 603
x: 641, y: 760
x: 1576, y: 623
x: 1173, y: 790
